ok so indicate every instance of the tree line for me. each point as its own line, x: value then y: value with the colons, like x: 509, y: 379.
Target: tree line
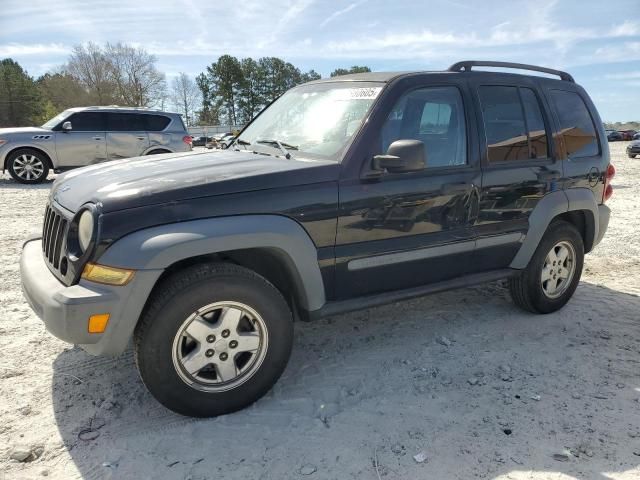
x: 230, y: 91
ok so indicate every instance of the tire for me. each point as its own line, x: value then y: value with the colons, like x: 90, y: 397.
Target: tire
x: 165, y: 351
x: 28, y: 166
x: 632, y: 156
x: 528, y: 289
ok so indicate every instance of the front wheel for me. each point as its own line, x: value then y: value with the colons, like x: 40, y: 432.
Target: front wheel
x: 214, y: 339
x: 28, y: 166
x: 553, y: 273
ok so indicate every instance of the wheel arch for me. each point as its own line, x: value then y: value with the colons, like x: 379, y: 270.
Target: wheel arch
x: 157, y: 150
x: 27, y: 147
x: 274, y: 246
x: 577, y: 206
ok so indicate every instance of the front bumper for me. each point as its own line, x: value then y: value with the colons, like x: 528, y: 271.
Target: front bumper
x: 66, y: 310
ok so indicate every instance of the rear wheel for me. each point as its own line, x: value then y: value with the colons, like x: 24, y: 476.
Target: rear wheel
x: 553, y: 273
x: 28, y: 166
x: 213, y: 340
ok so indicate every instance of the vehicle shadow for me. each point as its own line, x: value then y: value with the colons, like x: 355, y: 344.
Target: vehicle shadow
x: 7, y: 182
x: 482, y: 388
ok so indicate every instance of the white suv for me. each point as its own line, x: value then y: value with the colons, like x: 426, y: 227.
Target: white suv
x: 88, y: 135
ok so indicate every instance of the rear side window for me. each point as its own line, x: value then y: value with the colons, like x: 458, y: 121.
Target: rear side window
x: 125, y: 122
x: 88, y: 122
x: 435, y: 116
x: 513, y: 123
x: 576, y: 125
x: 157, y: 123
x: 535, y: 124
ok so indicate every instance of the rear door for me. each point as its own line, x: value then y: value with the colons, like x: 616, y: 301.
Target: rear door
x: 409, y: 229
x: 126, y: 135
x: 519, y: 167
x: 85, y: 143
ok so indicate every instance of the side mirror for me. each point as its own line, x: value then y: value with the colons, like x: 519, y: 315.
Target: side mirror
x: 66, y: 127
x: 402, y: 156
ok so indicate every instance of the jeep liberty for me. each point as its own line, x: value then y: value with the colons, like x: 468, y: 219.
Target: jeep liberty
x: 345, y: 193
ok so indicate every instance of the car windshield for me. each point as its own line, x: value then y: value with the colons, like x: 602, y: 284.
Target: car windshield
x: 315, y: 121
x: 56, y: 120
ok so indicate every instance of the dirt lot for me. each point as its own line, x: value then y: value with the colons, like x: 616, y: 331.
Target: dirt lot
x: 478, y: 387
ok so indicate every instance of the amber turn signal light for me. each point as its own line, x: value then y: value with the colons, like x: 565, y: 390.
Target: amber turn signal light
x: 98, y: 323
x: 108, y: 275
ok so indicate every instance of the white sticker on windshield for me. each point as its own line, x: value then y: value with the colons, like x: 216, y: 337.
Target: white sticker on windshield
x: 361, y: 93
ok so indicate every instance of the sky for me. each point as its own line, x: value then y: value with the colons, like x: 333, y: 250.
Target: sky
x: 598, y: 42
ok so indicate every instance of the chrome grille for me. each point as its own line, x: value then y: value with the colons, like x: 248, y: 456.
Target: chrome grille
x: 53, y: 231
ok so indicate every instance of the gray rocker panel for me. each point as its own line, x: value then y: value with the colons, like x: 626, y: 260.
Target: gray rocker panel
x: 159, y: 247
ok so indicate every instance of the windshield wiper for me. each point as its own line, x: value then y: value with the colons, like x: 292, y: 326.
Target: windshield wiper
x: 281, y: 145
x: 239, y: 141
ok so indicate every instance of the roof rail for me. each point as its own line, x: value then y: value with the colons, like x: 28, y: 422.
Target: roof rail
x: 465, y: 66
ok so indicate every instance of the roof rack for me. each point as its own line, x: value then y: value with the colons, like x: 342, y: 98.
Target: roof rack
x: 465, y: 66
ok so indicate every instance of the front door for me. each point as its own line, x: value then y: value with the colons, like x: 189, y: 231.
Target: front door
x: 85, y: 143
x: 408, y: 229
x: 126, y: 135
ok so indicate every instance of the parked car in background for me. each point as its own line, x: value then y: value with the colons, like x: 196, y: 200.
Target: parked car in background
x: 200, y: 141
x: 613, y: 136
x: 636, y: 136
x: 87, y: 135
x: 628, y: 134
x: 633, y: 149
x: 346, y: 193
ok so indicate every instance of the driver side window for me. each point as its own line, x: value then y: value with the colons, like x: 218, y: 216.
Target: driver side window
x: 434, y: 116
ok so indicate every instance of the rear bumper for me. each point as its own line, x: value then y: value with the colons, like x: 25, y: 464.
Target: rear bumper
x: 65, y: 311
x: 604, y: 213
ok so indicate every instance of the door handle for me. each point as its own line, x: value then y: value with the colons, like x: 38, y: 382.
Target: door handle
x: 97, y: 138
x: 142, y: 138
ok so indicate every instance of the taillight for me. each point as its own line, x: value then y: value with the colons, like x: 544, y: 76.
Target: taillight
x: 608, y: 189
x: 187, y: 139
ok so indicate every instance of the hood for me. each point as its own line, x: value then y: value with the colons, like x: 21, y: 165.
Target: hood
x: 23, y: 130
x: 160, y: 179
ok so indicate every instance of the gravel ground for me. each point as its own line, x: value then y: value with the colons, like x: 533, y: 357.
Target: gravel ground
x: 456, y: 385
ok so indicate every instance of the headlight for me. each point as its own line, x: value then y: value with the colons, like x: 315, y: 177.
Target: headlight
x: 85, y: 230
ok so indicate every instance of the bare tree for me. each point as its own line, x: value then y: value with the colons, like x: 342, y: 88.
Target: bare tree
x: 90, y: 66
x: 185, y: 96
x: 139, y: 83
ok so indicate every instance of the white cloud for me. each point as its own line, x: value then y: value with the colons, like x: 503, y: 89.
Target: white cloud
x: 17, y: 49
x: 340, y: 12
x: 623, y: 76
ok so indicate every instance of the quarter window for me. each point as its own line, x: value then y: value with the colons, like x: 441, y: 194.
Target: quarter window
x: 576, y: 125
x: 157, y: 123
x: 87, y: 122
x: 435, y: 116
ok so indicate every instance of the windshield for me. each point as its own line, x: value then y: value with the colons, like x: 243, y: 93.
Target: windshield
x: 315, y: 121
x: 57, y: 119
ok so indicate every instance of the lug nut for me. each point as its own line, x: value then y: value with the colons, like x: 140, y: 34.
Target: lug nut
x: 211, y: 338
x: 233, y: 344
x: 223, y: 356
x: 225, y: 333
x: 209, y: 353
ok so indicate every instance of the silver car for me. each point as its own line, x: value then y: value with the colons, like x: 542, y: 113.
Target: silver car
x: 88, y: 135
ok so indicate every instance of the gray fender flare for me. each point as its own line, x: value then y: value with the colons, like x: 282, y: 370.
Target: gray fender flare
x: 552, y: 205
x: 159, y: 247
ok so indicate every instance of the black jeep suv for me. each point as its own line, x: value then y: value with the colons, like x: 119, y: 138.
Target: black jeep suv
x: 343, y: 194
